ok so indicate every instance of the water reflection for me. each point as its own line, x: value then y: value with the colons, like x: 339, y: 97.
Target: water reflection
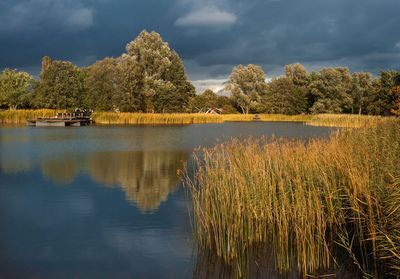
x: 261, y: 264
x: 61, y: 170
x: 88, y: 228
x: 146, y: 177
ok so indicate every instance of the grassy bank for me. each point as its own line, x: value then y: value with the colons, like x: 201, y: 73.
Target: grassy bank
x: 309, y: 203
x: 338, y: 120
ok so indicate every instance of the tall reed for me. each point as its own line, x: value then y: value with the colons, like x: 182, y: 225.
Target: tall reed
x: 305, y: 200
x: 154, y: 118
x: 348, y: 120
x: 337, y: 120
x: 20, y: 116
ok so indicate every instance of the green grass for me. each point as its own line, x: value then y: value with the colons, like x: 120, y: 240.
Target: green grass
x: 305, y: 201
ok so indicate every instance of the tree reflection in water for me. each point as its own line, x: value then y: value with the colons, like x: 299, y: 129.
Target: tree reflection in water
x: 147, y: 177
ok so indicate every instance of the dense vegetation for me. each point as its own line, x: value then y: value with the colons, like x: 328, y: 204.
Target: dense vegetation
x: 311, y: 206
x: 150, y: 77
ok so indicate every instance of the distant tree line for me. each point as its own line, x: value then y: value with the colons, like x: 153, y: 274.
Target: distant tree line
x: 150, y: 77
x: 331, y: 90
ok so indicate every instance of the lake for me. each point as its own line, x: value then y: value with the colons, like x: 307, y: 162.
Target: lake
x: 106, y: 201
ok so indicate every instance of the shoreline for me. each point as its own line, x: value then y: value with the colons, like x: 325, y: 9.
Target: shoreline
x: 19, y: 117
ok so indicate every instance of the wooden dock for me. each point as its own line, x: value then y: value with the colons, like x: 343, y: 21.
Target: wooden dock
x: 65, y: 119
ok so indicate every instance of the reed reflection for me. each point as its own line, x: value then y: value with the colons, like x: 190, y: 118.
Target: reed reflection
x: 147, y: 177
x: 260, y: 263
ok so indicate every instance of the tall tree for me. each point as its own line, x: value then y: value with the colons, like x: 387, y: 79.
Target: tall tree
x: 15, y: 88
x: 284, y: 97
x: 297, y: 73
x: 361, y: 88
x: 247, y: 85
x: 330, y: 90
x: 60, y: 85
x: 165, y: 84
x: 129, y: 96
x: 101, y: 85
x: 208, y: 99
x: 384, y: 98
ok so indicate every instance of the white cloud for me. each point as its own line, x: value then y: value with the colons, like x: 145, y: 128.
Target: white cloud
x: 398, y: 45
x: 205, y: 17
x: 215, y: 85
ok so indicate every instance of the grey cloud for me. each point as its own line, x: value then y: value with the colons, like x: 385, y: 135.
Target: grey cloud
x: 36, y: 15
x: 211, y: 36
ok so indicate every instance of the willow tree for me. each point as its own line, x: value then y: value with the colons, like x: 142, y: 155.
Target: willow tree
x: 247, y: 86
x: 165, y: 84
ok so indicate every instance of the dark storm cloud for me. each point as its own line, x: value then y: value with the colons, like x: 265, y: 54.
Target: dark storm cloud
x: 211, y: 36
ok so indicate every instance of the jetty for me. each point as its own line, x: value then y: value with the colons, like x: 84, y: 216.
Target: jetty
x: 63, y: 119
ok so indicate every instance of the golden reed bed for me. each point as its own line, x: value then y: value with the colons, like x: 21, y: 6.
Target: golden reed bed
x: 112, y: 118
x: 310, y: 204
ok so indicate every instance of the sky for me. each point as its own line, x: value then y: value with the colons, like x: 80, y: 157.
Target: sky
x: 211, y: 36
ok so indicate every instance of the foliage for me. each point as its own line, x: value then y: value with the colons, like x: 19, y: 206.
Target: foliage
x: 60, y: 86
x: 165, y: 84
x: 15, y: 88
x: 382, y: 101
x: 330, y: 90
x: 247, y: 85
x: 362, y: 86
x: 101, y: 85
x: 284, y: 97
x: 129, y: 97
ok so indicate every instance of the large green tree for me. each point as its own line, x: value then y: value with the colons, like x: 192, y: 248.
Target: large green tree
x: 60, y: 86
x: 208, y: 99
x: 247, y: 86
x: 129, y: 94
x: 165, y: 85
x: 362, y: 86
x: 15, y: 88
x: 101, y: 84
x: 297, y: 74
x: 284, y: 97
x: 330, y: 90
x: 383, y: 99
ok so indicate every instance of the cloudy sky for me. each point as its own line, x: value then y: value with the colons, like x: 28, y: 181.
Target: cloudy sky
x: 210, y: 35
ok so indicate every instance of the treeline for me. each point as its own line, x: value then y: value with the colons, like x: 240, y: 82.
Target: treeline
x: 150, y: 77
x: 331, y: 90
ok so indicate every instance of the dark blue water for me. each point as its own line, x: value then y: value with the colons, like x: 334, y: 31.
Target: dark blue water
x: 105, y: 202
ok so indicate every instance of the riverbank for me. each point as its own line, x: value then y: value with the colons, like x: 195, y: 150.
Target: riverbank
x: 309, y: 203
x: 112, y: 118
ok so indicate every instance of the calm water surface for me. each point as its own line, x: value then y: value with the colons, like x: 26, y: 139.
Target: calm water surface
x: 105, y: 202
